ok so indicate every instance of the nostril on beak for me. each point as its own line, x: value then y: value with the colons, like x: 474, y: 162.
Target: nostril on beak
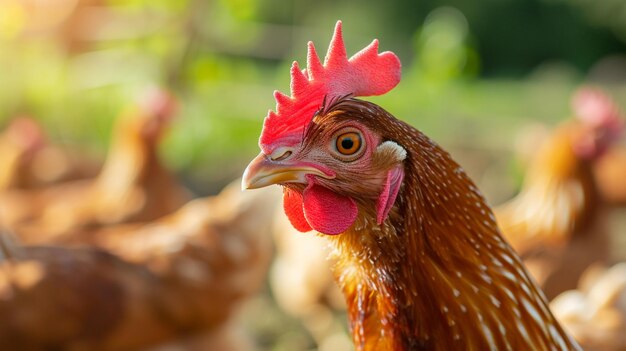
x: 281, y: 154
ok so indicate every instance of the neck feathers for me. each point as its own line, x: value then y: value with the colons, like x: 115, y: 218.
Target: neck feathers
x: 558, y: 198
x: 130, y: 156
x: 437, y: 274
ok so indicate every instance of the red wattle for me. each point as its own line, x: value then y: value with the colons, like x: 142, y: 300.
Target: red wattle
x: 328, y: 212
x: 292, y: 203
x: 387, y: 197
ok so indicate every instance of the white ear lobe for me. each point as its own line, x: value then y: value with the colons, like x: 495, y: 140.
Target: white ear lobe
x: 392, y: 149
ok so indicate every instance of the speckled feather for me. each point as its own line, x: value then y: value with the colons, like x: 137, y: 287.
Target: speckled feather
x: 437, y: 274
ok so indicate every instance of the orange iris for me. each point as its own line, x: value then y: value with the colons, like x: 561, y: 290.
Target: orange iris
x: 348, y: 143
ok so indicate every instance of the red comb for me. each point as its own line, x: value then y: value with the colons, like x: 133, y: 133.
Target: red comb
x: 595, y: 108
x: 159, y: 102
x: 366, y: 73
x: 27, y: 132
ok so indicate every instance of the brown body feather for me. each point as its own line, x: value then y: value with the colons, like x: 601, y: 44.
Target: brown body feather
x: 437, y: 274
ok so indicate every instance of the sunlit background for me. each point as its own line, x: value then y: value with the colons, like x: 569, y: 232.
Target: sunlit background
x: 475, y: 74
x: 470, y: 69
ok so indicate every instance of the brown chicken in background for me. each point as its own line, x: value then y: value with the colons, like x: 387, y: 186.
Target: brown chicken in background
x: 610, y: 174
x: 595, y: 313
x: 30, y: 160
x: 133, y: 184
x: 19, y: 142
x: 610, y: 169
x: 58, y: 163
x: 209, y: 255
x: 54, y: 298
x: 190, y: 269
x: 558, y: 220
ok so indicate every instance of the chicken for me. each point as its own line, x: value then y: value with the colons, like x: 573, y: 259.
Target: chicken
x: 595, y: 313
x: 30, y: 161
x: 132, y: 186
x: 610, y: 169
x: 189, y: 272
x: 610, y: 172
x: 594, y: 104
x: 210, y: 254
x: 420, y: 259
x: 18, y: 144
x: 55, y: 298
x: 557, y: 223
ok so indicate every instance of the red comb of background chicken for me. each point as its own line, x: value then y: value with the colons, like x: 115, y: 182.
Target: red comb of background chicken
x: 159, y: 102
x: 594, y: 107
x: 27, y: 132
x: 602, y: 117
x: 366, y: 73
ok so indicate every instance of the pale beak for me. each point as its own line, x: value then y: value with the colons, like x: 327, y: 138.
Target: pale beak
x: 262, y: 172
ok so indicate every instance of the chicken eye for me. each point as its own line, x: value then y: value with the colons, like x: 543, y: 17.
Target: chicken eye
x: 348, y: 143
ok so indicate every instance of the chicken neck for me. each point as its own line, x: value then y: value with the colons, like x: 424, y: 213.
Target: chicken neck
x: 131, y: 157
x: 437, y: 274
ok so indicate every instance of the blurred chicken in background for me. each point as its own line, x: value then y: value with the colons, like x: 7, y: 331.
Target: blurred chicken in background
x: 595, y: 313
x: 77, y: 299
x: 133, y: 184
x: 194, y: 268
x: 209, y: 255
x: 19, y: 142
x: 30, y: 160
x: 558, y: 221
x: 610, y: 174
